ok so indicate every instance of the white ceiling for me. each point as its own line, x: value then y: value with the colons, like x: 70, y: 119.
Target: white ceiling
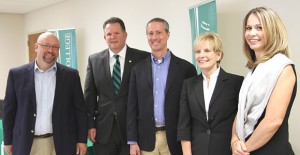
x: 24, y: 6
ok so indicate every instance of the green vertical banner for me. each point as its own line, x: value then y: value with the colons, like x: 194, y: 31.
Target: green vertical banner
x: 68, y: 47
x: 203, y: 18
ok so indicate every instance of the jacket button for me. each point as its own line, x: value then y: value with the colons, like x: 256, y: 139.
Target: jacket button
x: 32, y: 131
x: 208, y: 131
x: 34, y: 115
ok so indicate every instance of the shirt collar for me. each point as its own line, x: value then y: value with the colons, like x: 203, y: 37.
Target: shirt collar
x: 122, y: 53
x: 36, y: 67
x: 165, y: 58
x: 214, y: 75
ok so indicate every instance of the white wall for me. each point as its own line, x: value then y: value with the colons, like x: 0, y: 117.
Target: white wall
x: 12, y: 46
x: 88, y: 16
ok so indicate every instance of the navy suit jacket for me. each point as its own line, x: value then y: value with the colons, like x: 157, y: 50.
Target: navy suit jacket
x: 100, y: 96
x: 140, y: 114
x: 209, y: 136
x: 69, y: 115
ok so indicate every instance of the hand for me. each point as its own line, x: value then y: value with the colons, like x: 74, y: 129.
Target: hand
x: 135, y: 149
x: 81, y: 148
x: 239, y: 148
x: 92, y: 135
x: 8, y: 149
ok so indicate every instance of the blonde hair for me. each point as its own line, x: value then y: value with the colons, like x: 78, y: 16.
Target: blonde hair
x: 274, y: 32
x: 215, y: 38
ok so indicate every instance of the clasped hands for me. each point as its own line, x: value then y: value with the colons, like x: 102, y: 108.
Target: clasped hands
x: 238, y: 147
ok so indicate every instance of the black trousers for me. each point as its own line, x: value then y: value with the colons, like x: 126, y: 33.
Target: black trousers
x: 115, y: 144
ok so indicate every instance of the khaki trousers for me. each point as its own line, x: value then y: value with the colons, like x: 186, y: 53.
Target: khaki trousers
x: 161, y: 145
x: 43, y: 146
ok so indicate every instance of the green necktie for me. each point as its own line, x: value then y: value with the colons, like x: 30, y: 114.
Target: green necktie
x: 116, y: 76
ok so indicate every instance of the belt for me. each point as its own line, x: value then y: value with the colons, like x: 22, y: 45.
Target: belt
x: 161, y: 128
x: 44, y: 135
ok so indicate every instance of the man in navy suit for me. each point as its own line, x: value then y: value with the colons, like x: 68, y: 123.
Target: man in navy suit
x: 154, y: 94
x: 44, y: 111
x: 106, y: 105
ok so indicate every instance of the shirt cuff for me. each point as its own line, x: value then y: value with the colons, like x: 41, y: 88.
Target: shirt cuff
x: 131, y: 142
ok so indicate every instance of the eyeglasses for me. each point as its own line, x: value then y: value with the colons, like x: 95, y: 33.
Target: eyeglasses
x: 47, y: 47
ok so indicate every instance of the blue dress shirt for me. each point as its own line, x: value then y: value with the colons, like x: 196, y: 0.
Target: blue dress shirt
x: 159, y: 76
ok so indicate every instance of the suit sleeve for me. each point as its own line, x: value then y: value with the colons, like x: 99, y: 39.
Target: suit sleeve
x: 132, y: 109
x: 80, y: 110
x: 90, y: 95
x: 184, y: 123
x: 191, y: 71
x: 240, y: 82
x: 9, y: 110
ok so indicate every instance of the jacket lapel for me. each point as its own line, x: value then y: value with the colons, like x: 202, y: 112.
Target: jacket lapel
x: 29, y: 73
x: 129, y: 61
x: 198, y: 85
x: 104, y: 59
x: 219, y: 86
x: 148, y: 71
x: 102, y: 68
x: 60, y: 78
x: 173, y: 68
